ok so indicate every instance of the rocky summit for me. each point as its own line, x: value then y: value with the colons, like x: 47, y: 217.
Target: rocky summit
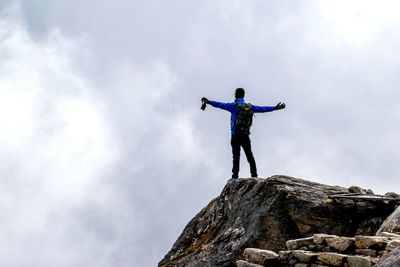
x: 265, y: 214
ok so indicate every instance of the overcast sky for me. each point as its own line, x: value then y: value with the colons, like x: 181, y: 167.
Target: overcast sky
x: 105, y: 154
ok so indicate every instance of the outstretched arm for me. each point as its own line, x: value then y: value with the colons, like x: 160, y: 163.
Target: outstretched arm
x: 225, y: 106
x: 260, y: 109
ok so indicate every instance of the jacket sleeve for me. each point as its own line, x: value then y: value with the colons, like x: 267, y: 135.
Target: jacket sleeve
x: 225, y: 106
x: 261, y: 109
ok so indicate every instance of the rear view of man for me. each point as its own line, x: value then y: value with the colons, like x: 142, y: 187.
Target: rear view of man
x: 241, y: 121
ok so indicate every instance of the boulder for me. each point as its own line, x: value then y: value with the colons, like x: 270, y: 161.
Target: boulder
x: 392, y: 245
x: 392, y: 195
x: 357, y: 190
x: 371, y: 242
x: 341, y: 244
x: 265, y: 213
x: 390, y: 260
x: 321, y: 239
x: 358, y: 261
x: 299, y: 243
x: 390, y: 235
x: 367, y: 252
x: 332, y: 259
x: 305, y: 256
x: 260, y: 256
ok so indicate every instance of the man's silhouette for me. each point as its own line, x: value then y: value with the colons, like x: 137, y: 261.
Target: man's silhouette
x: 240, y: 127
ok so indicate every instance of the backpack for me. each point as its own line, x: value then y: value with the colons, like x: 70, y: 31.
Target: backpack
x: 245, y: 117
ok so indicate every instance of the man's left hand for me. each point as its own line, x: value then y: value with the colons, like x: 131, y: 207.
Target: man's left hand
x: 280, y: 105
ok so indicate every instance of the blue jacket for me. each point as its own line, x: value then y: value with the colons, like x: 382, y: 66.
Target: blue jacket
x: 233, y: 109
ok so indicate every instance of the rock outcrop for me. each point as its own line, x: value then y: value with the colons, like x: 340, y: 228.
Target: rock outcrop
x: 264, y: 214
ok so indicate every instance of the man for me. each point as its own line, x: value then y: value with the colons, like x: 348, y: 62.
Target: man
x: 241, y: 120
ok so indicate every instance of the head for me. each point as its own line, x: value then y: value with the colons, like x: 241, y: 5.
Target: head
x: 239, y: 93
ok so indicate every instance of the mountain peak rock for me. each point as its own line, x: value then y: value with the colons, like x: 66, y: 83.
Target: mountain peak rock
x: 265, y: 213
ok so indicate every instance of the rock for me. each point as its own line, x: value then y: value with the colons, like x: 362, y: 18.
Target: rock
x: 392, y: 195
x: 367, y: 252
x: 392, y: 223
x: 285, y: 256
x: 371, y: 242
x: 370, y: 192
x: 299, y: 243
x: 333, y: 259
x: 305, y: 256
x: 242, y: 263
x: 358, y: 261
x: 341, y: 244
x: 390, y: 260
x: 392, y: 245
x: 320, y: 239
x: 259, y: 256
x: 389, y: 235
x: 357, y: 190
x: 265, y: 213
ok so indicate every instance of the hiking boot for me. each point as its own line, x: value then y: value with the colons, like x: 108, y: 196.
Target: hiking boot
x: 235, y: 176
x: 254, y: 176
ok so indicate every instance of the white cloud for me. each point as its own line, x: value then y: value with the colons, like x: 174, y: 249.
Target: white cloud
x: 56, y: 145
x: 356, y: 22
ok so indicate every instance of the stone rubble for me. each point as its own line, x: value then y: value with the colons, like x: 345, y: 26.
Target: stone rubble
x: 338, y: 251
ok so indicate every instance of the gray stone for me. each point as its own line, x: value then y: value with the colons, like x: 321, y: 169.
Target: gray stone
x: 305, y: 256
x: 392, y: 245
x: 301, y: 265
x: 259, y: 256
x: 392, y: 195
x: 332, y: 259
x: 370, y: 192
x: 357, y: 190
x: 242, y: 263
x: 298, y: 243
x: 358, y: 261
x: 371, y: 242
x: 367, y: 252
x: 389, y: 235
x: 341, y: 244
x: 392, y: 223
x: 390, y: 260
x: 320, y: 239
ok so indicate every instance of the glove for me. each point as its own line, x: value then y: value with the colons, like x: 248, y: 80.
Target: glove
x: 280, y: 105
x: 205, y: 100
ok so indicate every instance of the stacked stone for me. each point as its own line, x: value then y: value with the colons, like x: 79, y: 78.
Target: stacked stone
x: 323, y: 250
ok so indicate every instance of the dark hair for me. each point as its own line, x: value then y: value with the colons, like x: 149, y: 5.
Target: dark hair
x: 239, y: 93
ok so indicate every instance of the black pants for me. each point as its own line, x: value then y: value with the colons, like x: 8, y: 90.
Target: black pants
x: 238, y: 141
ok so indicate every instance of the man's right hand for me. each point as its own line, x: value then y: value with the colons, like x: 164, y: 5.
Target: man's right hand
x: 205, y: 100
x: 280, y: 105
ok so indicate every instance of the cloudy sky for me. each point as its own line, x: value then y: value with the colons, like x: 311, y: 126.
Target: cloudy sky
x: 105, y: 153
